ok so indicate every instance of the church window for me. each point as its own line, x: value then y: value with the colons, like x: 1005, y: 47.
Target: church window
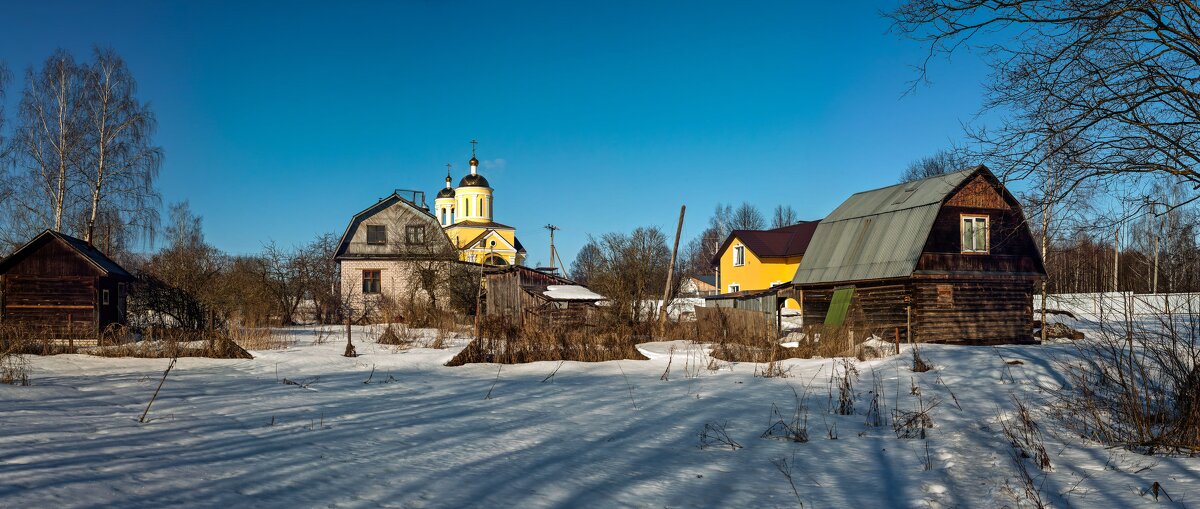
x: 376, y: 234
x: 414, y: 234
x: 372, y: 281
x: 481, y: 209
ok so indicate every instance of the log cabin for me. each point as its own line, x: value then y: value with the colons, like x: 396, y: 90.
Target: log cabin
x: 947, y: 259
x: 64, y: 285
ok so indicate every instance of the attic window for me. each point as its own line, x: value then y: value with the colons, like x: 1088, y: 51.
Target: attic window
x: 414, y: 234
x: 975, y: 234
x: 739, y: 256
x: 376, y: 234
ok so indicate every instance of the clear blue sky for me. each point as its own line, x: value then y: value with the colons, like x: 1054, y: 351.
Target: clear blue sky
x: 281, y: 120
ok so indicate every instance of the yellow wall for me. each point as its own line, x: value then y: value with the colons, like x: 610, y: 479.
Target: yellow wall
x: 460, y: 234
x: 755, y: 274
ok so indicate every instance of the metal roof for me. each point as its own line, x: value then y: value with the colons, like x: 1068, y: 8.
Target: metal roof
x: 877, y: 234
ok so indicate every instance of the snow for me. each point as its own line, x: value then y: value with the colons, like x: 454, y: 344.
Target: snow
x: 571, y: 292
x: 613, y: 434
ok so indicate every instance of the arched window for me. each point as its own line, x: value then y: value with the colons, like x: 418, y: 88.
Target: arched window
x: 481, y: 209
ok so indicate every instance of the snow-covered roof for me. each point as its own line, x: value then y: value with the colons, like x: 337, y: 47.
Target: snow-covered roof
x: 571, y: 292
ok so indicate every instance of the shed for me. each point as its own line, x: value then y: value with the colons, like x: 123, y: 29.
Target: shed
x: 517, y: 292
x: 63, y: 284
x: 947, y: 259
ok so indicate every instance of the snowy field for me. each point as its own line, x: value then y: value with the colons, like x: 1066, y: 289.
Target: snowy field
x: 229, y: 433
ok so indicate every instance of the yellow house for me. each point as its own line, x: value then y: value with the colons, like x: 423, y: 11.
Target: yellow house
x: 465, y: 213
x: 760, y: 259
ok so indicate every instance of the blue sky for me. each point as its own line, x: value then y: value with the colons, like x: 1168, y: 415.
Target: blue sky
x: 280, y: 121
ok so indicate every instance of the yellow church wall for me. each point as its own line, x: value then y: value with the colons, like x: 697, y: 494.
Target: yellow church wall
x: 756, y: 273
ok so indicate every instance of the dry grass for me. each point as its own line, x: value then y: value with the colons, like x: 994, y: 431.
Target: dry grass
x: 171, y: 343
x: 503, y: 341
x: 1137, y: 383
x: 257, y: 338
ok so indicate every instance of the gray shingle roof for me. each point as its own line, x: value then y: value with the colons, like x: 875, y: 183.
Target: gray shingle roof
x: 877, y: 234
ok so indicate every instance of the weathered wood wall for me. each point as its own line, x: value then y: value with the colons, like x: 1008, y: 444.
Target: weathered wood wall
x: 973, y: 311
x: 54, y: 287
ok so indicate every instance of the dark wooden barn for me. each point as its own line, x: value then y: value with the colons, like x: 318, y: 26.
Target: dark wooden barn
x: 948, y: 259
x: 63, y: 285
x: 518, y: 292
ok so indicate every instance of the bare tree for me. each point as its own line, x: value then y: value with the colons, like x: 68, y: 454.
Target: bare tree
x: 747, y: 217
x: 48, y: 146
x: 629, y: 269
x: 939, y: 163
x: 181, y: 281
x: 1118, y: 79
x: 121, y: 163
x: 784, y: 215
x: 282, y: 274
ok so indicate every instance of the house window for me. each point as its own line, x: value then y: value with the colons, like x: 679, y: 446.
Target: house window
x: 104, y: 297
x: 735, y: 288
x: 414, y: 234
x: 372, y: 281
x: 739, y: 256
x: 376, y: 234
x: 974, y: 234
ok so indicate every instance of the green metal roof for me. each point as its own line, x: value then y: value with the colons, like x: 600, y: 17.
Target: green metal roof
x: 877, y: 234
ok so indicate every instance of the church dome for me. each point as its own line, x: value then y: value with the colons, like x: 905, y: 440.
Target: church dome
x: 473, y: 180
x: 446, y: 192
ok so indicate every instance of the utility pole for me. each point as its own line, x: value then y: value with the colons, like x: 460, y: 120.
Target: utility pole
x: 553, y: 253
x: 662, y: 310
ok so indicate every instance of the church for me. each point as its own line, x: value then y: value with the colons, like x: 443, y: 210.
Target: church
x: 466, y: 215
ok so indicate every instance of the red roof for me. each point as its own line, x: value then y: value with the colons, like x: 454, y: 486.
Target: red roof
x: 791, y: 240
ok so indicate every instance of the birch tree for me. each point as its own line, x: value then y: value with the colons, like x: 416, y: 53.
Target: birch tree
x: 121, y: 163
x: 47, y: 146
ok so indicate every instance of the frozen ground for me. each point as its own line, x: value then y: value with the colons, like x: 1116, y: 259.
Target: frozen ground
x: 228, y: 433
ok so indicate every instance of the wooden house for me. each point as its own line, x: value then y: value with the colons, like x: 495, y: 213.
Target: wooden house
x: 947, y: 259
x: 519, y: 292
x: 63, y: 284
x: 385, y: 250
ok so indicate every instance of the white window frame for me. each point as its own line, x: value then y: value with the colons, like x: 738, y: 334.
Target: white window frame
x: 739, y: 252
x: 104, y: 298
x: 974, y: 220
x: 734, y: 288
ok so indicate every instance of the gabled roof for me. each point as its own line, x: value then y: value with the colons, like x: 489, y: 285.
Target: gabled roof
x: 708, y: 279
x: 879, y: 234
x: 80, y: 247
x: 787, y: 241
x: 394, y: 198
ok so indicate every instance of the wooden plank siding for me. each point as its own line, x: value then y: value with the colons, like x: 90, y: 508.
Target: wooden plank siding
x: 973, y: 311
x: 50, y: 284
x: 951, y: 296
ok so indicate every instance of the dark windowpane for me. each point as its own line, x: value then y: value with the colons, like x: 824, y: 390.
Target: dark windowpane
x: 372, y: 281
x: 376, y: 234
x: 414, y: 234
